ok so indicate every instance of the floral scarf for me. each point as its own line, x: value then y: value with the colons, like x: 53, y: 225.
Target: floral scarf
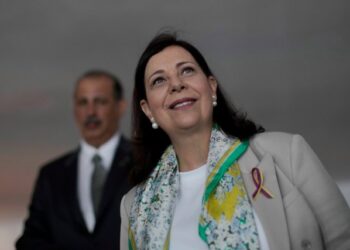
x: 226, y: 220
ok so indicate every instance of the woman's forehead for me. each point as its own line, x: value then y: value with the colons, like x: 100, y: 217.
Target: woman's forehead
x: 169, y: 56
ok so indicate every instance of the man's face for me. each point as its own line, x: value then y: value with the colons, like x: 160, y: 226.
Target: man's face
x: 96, y: 110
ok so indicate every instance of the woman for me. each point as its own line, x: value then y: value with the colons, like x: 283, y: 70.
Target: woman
x: 208, y: 178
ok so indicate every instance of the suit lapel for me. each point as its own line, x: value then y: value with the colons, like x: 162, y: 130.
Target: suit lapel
x: 116, y: 176
x: 270, y: 211
x: 71, y: 190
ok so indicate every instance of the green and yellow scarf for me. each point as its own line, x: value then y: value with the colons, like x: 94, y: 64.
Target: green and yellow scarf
x: 226, y: 220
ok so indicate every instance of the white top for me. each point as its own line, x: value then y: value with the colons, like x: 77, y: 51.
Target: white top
x: 85, y: 169
x: 184, y: 230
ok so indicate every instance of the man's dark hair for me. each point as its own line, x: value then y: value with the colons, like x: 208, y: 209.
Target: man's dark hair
x: 95, y: 73
x: 150, y: 143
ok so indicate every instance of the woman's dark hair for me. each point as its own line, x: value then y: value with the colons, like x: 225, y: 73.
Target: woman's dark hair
x: 150, y: 143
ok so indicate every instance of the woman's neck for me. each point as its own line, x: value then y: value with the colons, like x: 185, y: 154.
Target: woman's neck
x: 192, y: 150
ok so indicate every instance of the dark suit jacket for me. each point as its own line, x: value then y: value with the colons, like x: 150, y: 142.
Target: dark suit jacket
x: 55, y: 220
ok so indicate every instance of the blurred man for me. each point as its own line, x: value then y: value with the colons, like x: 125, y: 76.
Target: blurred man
x: 75, y: 204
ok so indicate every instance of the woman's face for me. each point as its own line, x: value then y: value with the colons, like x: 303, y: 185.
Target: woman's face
x: 179, y: 94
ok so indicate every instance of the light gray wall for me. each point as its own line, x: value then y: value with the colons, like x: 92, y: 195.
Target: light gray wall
x: 285, y: 62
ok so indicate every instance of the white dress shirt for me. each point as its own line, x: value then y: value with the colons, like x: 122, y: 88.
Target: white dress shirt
x: 85, y: 169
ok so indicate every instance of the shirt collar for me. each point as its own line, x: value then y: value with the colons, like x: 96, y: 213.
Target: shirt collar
x: 106, y: 150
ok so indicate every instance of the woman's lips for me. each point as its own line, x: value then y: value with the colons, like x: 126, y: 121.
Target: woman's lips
x: 181, y: 103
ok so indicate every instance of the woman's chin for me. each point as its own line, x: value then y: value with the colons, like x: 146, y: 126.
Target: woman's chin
x: 189, y: 126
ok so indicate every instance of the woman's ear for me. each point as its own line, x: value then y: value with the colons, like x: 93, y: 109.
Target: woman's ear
x: 145, y: 108
x: 213, y: 84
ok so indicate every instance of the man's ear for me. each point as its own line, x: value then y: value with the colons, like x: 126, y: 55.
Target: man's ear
x: 122, y: 105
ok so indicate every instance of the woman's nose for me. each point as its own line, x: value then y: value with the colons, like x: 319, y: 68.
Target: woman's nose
x: 177, y: 86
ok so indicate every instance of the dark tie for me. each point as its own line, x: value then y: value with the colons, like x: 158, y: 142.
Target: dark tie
x: 97, y: 181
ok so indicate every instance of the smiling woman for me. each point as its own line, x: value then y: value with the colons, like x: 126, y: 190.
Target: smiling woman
x: 208, y: 178
x: 179, y: 95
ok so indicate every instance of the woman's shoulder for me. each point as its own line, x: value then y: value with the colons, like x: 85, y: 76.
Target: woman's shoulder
x: 272, y: 138
x: 276, y: 142
x: 289, y: 151
x: 285, y: 148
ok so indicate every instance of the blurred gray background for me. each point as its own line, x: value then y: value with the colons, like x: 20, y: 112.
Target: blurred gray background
x: 286, y: 63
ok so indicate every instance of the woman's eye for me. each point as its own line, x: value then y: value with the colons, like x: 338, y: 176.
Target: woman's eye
x: 187, y: 70
x: 158, y: 81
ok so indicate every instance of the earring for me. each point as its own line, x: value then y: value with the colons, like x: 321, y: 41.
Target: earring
x: 214, y: 101
x: 154, y: 124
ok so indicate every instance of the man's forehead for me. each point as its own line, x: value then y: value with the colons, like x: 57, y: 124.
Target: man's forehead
x: 94, y: 86
x: 95, y: 81
x: 92, y: 94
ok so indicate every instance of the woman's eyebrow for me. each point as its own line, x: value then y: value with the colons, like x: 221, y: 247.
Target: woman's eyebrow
x: 154, y: 73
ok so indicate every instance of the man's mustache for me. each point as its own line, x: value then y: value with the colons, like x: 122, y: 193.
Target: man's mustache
x: 92, y: 120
